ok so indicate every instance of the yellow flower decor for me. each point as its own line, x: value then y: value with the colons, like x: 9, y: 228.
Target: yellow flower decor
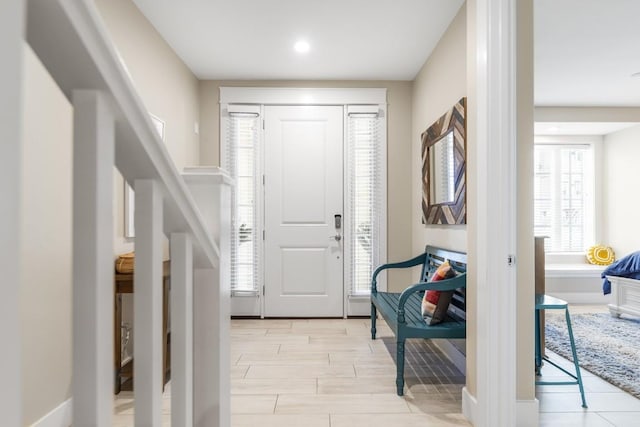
x: 600, y: 255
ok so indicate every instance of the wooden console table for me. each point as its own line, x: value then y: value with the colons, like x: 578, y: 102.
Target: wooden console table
x: 540, y: 283
x: 124, y: 285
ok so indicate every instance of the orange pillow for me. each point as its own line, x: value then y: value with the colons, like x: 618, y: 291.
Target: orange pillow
x: 436, y: 303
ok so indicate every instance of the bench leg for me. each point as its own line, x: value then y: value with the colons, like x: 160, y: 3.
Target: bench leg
x: 373, y: 321
x: 400, y: 367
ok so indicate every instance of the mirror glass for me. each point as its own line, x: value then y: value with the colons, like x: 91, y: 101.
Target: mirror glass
x: 442, y: 170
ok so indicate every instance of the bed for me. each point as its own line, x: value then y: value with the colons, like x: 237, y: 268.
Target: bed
x: 625, y: 296
x: 622, y: 280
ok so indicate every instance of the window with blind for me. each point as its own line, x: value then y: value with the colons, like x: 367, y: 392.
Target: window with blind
x: 242, y: 154
x: 563, y: 191
x: 364, y: 200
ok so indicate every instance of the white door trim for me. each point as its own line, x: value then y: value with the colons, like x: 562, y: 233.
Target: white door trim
x: 302, y: 96
x: 255, y: 98
x: 493, y: 101
x: 12, y: 47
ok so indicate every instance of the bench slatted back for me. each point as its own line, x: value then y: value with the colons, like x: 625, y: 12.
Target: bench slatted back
x: 458, y: 260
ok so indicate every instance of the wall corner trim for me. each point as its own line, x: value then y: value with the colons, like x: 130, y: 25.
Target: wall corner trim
x: 527, y: 413
x: 469, y: 405
x: 60, y: 416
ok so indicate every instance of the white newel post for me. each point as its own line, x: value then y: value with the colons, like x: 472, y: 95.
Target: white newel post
x: 211, y: 190
x: 147, y: 303
x: 93, y: 157
x: 11, y: 49
x: 181, y: 330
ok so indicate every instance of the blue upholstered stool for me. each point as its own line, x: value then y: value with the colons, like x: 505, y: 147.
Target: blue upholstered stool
x: 546, y: 302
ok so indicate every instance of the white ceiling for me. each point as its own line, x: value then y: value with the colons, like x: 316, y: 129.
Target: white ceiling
x: 586, y: 50
x: 350, y: 39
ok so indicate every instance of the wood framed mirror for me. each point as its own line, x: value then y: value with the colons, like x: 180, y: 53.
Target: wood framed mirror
x: 444, y: 164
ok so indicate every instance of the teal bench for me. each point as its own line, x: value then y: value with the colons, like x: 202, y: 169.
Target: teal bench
x: 402, y: 311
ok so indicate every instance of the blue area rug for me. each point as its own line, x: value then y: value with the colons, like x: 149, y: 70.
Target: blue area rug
x: 607, y: 347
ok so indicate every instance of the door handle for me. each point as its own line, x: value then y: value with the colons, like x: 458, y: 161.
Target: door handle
x: 337, y: 237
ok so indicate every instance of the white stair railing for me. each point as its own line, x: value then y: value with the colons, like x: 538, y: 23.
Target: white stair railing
x: 112, y: 127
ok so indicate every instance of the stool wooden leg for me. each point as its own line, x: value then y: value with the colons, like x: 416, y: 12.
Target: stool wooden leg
x: 575, y: 358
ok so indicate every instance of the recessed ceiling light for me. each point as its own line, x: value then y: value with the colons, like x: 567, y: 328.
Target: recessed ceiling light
x: 301, y: 46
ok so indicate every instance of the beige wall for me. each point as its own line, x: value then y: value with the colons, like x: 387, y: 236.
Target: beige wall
x: 441, y: 82
x: 622, y: 154
x: 167, y: 87
x: 169, y: 91
x: 525, y: 387
x: 398, y: 154
x: 46, y: 243
x: 587, y: 114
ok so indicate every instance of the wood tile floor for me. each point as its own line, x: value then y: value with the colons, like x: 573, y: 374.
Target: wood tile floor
x: 326, y: 373
x: 608, y: 405
x: 329, y: 373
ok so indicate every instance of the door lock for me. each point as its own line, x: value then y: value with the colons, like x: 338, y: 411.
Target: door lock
x: 337, y: 218
x: 337, y: 237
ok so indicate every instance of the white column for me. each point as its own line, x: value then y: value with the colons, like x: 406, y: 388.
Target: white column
x: 11, y: 49
x: 93, y: 157
x: 212, y: 385
x: 147, y: 304
x: 181, y: 330
x: 493, y: 220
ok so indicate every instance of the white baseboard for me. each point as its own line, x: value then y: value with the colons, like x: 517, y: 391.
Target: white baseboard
x: 469, y: 405
x: 358, y: 306
x: 245, y: 306
x: 526, y: 410
x: 61, y: 416
x: 527, y: 413
x: 582, y: 297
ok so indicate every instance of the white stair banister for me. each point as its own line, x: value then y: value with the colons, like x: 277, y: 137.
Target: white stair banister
x: 70, y: 40
x: 147, y: 304
x: 211, y: 190
x: 11, y: 49
x: 181, y: 329
x: 93, y: 154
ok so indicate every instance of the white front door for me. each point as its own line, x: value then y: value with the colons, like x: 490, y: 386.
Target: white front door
x: 303, y: 193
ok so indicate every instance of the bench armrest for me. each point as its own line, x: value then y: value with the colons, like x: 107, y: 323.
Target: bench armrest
x: 460, y: 281
x: 419, y: 260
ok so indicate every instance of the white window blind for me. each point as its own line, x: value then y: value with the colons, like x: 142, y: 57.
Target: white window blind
x: 363, y: 200
x: 241, y: 161
x: 563, y: 207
